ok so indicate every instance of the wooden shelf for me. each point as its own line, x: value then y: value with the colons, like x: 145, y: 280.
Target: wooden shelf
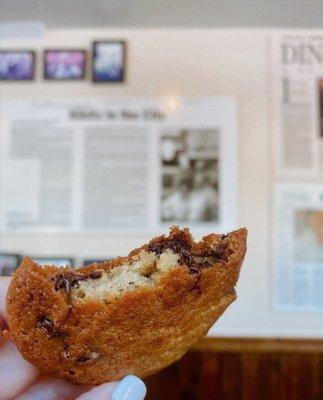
x: 258, y: 345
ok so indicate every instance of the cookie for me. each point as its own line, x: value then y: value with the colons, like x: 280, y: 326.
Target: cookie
x: 133, y: 315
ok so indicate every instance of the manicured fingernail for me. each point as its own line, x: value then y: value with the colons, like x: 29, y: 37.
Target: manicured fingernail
x: 130, y: 388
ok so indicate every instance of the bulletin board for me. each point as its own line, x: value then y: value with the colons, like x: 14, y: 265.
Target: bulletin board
x: 174, y: 65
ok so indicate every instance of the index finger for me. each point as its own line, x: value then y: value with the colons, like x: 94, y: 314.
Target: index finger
x: 4, y: 284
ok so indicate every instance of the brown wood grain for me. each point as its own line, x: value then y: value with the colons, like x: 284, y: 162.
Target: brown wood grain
x: 261, y: 345
x: 246, y: 369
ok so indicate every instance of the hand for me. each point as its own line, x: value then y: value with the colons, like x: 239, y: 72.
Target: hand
x: 22, y: 381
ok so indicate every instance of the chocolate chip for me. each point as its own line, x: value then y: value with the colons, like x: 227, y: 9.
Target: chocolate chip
x: 194, y: 260
x: 219, y: 250
x: 59, y: 335
x: 178, y: 243
x: 90, y: 358
x: 66, y: 353
x: 66, y: 280
x: 47, y: 324
x: 194, y: 270
x: 197, y: 283
x: 52, y: 331
x: 95, y: 275
x: 63, y: 282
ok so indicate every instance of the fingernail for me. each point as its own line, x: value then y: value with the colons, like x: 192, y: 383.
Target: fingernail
x: 130, y: 388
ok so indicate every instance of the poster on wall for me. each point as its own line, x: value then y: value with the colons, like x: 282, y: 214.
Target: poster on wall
x: 134, y: 165
x: 298, y: 103
x: 298, y: 247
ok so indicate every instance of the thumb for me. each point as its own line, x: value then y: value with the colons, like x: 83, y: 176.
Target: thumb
x: 129, y: 388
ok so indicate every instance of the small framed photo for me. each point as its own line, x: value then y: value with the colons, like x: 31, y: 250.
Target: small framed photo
x: 64, y: 64
x: 109, y: 61
x: 9, y: 263
x: 17, y: 65
x: 56, y: 261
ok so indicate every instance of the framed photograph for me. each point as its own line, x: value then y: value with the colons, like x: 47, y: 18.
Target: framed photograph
x: 109, y: 61
x: 56, y: 261
x: 9, y: 263
x: 64, y: 64
x: 17, y: 65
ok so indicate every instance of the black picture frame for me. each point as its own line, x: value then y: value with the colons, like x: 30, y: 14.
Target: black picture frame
x: 46, y: 74
x: 32, y: 68
x: 120, y: 76
x: 7, y: 270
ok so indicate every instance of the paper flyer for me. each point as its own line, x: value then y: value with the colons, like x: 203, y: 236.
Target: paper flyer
x: 84, y: 166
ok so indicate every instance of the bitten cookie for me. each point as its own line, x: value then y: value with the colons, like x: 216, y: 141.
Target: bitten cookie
x: 133, y: 315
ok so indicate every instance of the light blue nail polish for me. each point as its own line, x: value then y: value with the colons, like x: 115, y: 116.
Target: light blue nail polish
x: 130, y: 388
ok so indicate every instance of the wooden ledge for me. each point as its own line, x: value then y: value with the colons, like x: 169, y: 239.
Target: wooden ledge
x: 258, y: 345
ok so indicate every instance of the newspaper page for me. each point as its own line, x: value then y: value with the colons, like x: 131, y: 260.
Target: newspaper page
x: 298, y: 244
x: 298, y: 103
x: 103, y: 165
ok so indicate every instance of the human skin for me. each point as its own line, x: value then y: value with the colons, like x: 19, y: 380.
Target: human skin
x: 22, y: 381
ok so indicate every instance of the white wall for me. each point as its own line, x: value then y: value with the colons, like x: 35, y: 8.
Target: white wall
x: 166, y: 13
x: 190, y: 63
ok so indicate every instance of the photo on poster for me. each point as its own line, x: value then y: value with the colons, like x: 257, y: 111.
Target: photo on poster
x: 9, y: 263
x: 17, y: 65
x: 309, y: 237
x: 108, y: 61
x: 190, y: 175
x: 321, y: 107
x: 67, y: 64
x: 56, y: 261
x: 298, y: 247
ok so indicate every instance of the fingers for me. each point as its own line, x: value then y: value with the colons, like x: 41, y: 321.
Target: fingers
x: 101, y: 392
x: 16, y: 373
x: 130, y: 388
x: 4, y: 284
x: 53, y: 389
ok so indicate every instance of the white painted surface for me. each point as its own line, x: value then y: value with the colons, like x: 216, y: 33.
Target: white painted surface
x: 166, y: 13
x: 190, y: 63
